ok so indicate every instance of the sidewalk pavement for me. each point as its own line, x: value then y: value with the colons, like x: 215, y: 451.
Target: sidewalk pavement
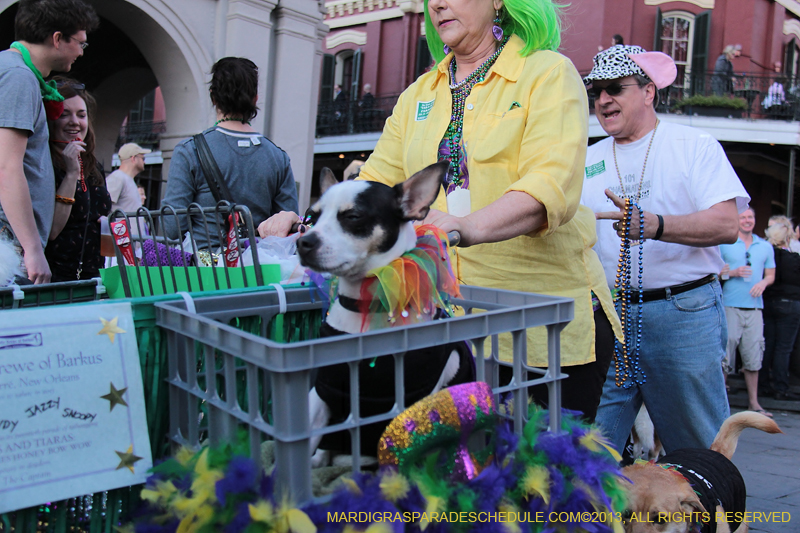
x: 770, y: 465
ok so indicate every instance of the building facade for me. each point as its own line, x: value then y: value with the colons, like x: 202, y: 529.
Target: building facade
x: 382, y: 43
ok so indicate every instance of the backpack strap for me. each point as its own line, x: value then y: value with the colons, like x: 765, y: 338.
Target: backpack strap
x: 211, y: 170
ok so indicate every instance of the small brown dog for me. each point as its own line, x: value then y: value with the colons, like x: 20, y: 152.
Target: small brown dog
x: 693, y: 490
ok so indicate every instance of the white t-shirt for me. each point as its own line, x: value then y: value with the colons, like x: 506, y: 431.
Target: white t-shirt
x: 687, y: 171
x: 124, y: 192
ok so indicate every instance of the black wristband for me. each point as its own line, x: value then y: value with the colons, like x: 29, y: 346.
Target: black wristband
x: 660, y: 230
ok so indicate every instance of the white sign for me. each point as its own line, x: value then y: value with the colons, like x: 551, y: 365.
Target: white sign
x: 72, y: 416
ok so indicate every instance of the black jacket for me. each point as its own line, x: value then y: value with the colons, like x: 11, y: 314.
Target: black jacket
x: 787, y: 277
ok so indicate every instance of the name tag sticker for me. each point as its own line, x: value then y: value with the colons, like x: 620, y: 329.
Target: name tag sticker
x: 423, y: 110
x: 459, y: 203
x: 244, y: 144
x: 594, y: 170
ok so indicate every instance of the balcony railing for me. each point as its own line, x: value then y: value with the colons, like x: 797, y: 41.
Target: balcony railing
x: 759, y: 97
x: 142, y: 133
x: 344, y: 118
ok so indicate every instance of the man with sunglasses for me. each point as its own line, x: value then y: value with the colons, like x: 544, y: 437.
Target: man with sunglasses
x: 50, y: 36
x: 749, y: 269
x: 690, y: 198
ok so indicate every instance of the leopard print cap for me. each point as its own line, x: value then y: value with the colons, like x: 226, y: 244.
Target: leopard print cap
x: 614, y: 63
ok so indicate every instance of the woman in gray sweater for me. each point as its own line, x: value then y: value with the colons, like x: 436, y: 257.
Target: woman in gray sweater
x: 257, y: 173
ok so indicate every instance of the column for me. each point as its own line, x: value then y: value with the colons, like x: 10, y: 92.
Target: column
x: 299, y: 32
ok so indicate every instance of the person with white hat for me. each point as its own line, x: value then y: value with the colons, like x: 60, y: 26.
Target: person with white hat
x: 121, y: 185
x: 665, y: 196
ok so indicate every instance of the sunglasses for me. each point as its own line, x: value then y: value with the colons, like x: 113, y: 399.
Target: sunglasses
x: 612, y: 89
x: 73, y: 86
x: 747, y: 256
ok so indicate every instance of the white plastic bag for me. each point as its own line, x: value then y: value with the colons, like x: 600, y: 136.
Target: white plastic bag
x: 280, y: 251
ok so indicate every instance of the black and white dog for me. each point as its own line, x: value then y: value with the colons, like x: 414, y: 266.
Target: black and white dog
x: 359, y: 226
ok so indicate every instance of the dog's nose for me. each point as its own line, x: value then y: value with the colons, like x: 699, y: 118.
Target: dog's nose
x: 307, y: 243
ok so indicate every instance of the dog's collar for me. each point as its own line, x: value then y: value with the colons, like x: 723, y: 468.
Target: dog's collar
x: 696, y: 481
x: 411, y: 287
x: 326, y: 330
x: 351, y: 304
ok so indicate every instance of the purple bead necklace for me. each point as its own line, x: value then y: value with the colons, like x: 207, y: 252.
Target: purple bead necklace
x: 460, y: 91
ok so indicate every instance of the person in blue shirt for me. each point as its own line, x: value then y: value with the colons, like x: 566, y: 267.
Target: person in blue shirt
x: 749, y: 269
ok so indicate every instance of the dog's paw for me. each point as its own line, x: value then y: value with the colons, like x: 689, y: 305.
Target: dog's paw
x: 347, y: 460
x: 320, y: 459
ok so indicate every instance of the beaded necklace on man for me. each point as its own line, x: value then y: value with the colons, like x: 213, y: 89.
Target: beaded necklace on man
x: 644, y: 166
x: 460, y: 91
x: 627, y: 369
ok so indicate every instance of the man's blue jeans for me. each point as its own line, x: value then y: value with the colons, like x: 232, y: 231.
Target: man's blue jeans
x: 683, y: 346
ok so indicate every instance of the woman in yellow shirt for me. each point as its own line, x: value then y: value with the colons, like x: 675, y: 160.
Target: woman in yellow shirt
x: 511, y: 116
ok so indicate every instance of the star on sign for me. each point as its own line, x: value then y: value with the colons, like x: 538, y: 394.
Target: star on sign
x: 110, y: 328
x: 114, y: 397
x: 127, y: 459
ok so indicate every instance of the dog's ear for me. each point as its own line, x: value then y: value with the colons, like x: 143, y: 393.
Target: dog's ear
x: 326, y: 180
x: 418, y: 192
x: 692, y: 505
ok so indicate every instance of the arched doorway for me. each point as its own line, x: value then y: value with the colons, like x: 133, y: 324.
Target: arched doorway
x: 119, y: 71
x: 172, y: 44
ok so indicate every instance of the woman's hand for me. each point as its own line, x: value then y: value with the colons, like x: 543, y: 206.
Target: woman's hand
x: 278, y: 225
x: 72, y: 166
x: 450, y: 223
x: 513, y: 214
x: 71, y: 154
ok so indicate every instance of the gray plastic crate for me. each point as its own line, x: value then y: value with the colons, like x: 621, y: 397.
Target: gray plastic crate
x: 277, y: 377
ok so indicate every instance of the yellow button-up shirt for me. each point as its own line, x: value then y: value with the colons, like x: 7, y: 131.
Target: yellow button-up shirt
x: 525, y: 129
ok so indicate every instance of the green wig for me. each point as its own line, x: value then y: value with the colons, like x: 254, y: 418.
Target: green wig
x: 536, y: 22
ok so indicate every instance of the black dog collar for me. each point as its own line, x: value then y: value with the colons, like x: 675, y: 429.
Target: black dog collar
x: 351, y: 304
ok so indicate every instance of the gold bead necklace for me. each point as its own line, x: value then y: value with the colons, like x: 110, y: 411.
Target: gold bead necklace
x: 641, y: 179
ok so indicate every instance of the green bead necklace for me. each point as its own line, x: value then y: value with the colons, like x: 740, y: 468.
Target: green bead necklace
x: 237, y: 119
x: 460, y: 91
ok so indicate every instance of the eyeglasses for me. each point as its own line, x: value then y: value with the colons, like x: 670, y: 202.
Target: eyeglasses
x: 612, y: 89
x: 84, y: 45
x: 747, y: 256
